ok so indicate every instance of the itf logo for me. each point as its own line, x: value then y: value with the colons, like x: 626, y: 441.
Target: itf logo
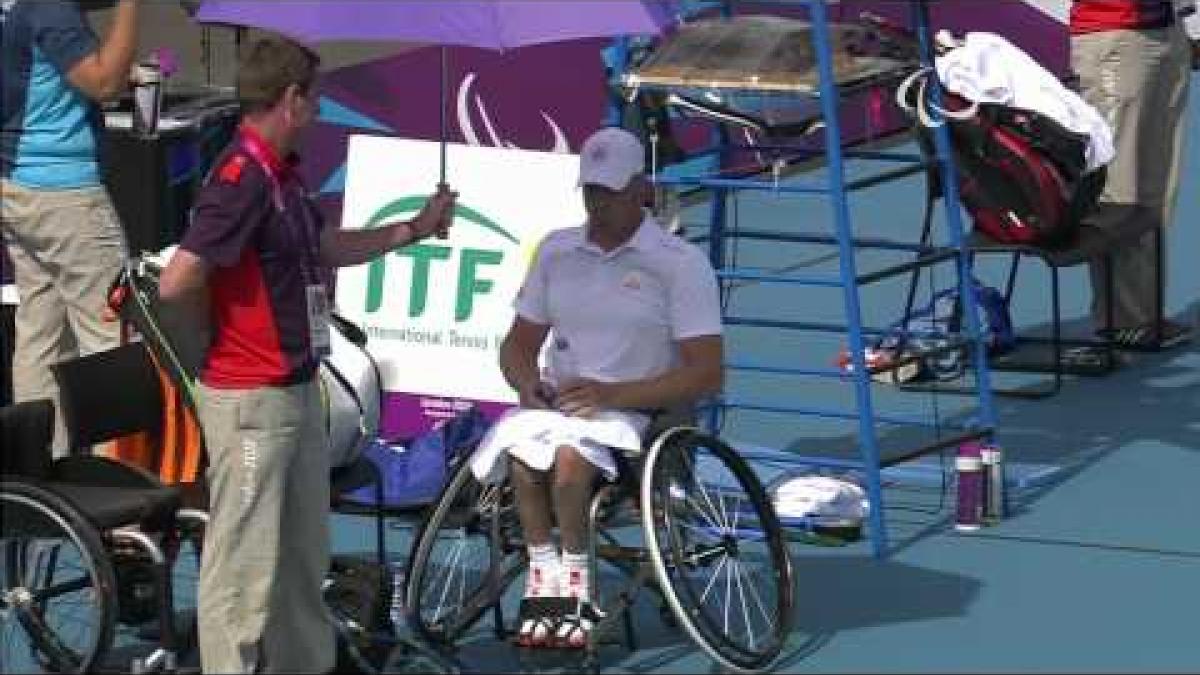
x: 437, y: 262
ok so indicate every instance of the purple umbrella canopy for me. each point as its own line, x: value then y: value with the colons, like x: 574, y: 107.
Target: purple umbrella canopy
x: 486, y: 24
x: 494, y: 24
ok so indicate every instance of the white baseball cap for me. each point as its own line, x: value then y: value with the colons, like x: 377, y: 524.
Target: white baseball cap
x: 611, y: 157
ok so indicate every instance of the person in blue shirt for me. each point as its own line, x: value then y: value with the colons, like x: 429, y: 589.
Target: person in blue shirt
x: 60, y: 230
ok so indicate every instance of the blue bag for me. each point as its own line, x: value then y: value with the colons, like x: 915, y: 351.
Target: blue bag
x: 932, y: 327
x: 416, y: 475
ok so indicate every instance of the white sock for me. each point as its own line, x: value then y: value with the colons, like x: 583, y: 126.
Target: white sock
x: 575, y: 582
x: 542, y: 581
x: 574, y: 632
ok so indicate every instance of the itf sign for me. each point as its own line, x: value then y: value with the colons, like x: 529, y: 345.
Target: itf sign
x: 436, y: 312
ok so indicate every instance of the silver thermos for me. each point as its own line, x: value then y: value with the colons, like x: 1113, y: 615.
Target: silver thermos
x: 147, y: 97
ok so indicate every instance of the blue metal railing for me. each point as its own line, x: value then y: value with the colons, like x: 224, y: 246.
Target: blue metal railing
x: 835, y: 186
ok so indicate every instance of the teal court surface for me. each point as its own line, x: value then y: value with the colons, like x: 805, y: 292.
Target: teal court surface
x: 1097, y: 569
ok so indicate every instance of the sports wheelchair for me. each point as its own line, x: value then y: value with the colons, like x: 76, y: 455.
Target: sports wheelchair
x: 711, y: 547
x: 86, y: 543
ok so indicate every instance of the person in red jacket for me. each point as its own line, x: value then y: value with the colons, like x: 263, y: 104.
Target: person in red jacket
x: 1133, y: 60
x: 257, y: 254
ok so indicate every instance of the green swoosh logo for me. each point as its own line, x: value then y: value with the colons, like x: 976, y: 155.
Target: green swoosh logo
x: 415, y: 203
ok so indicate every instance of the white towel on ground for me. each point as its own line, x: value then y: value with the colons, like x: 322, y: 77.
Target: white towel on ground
x: 820, y: 498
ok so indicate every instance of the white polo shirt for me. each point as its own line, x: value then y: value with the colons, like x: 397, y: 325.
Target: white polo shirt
x: 616, y: 316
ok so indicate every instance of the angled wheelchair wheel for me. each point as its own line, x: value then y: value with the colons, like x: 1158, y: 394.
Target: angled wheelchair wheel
x: 467, y: 554
x: 718, y: 550
x: 57, y: 587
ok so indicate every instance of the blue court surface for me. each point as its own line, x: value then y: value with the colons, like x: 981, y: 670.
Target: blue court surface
x: 1096, y: 570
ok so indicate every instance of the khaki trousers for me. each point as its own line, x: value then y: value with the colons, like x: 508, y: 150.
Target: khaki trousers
x: 1139, y: 81
x: 266, y: 551
x: 66, y: 247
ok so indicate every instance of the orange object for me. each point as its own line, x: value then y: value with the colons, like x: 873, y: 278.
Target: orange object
x: 177, y: 456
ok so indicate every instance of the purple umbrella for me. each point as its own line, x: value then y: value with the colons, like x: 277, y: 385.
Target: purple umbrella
x: 494, y: 24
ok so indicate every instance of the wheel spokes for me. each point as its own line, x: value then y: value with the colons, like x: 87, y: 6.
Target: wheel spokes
x: 720, y: 535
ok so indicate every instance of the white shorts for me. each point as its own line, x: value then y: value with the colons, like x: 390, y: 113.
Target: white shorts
x: 534, y: 436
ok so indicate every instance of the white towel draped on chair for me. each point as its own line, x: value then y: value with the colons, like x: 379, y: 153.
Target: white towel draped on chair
x: 987, y: 68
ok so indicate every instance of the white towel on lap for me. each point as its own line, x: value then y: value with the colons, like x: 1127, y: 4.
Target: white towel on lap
x: 534, y: 436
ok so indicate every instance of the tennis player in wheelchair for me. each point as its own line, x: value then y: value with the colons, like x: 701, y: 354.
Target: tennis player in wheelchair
x: 629, y: 317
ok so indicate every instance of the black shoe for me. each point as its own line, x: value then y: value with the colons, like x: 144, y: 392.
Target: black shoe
x: 575, y: 628
x: 1086, y: 357
x: 1146, y: 338
x: 538, y: 620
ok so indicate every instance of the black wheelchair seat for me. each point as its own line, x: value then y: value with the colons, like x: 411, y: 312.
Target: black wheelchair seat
x: 108, y: 493
x: 111, y: 507
x: 87, y: 541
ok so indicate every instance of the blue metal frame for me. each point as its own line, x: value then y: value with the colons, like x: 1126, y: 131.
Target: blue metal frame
x: 951, y: 202
x: 837, y: 188
x: 868, y: 443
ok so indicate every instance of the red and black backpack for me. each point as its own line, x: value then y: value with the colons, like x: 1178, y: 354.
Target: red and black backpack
x: 1022, y: 176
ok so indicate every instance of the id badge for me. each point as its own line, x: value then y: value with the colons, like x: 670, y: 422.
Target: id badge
x: 318, y: 320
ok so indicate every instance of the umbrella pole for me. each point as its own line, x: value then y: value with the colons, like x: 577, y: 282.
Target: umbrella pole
x: 442, y: 118
x: 441, y: 233
x: 206, y: 54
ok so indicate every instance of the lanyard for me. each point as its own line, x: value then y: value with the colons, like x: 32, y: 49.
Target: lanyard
x: 306, y: 226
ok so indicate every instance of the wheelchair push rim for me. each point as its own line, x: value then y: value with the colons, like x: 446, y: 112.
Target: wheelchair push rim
x: 466, y: 556
x: 718, y: 549
x: 57, y: 586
